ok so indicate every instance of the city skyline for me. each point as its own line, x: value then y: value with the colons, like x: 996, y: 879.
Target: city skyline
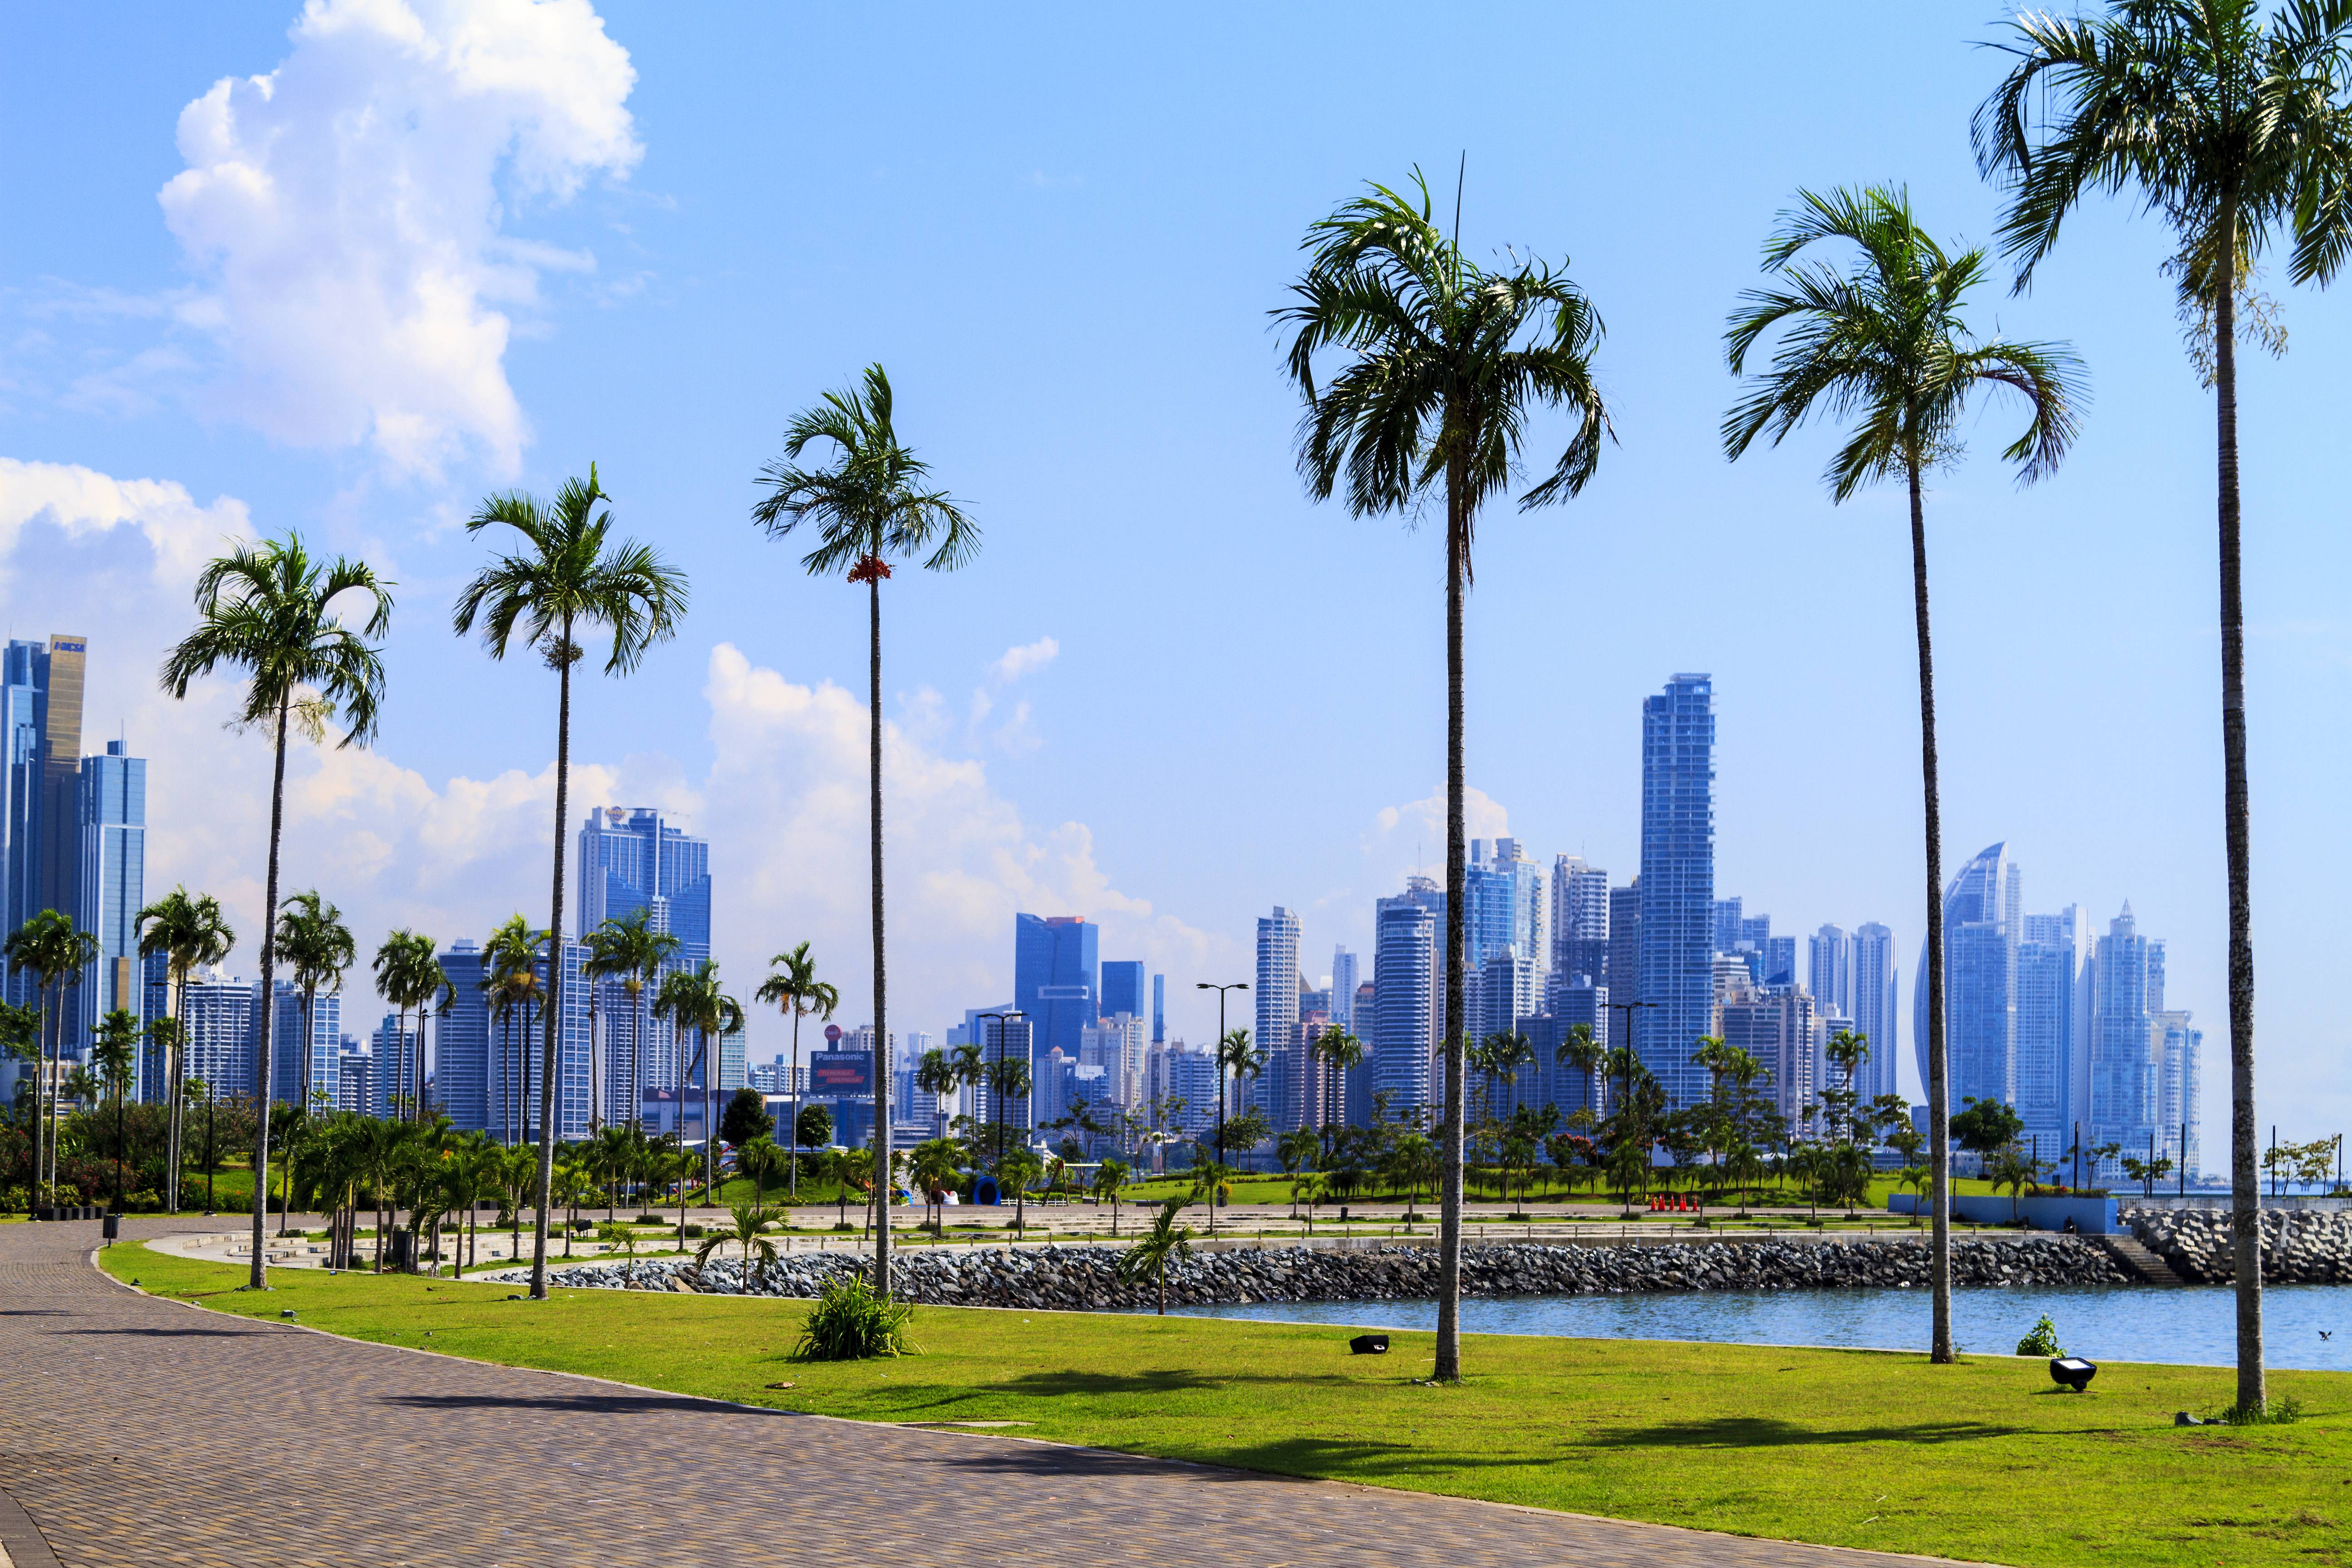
x: 1027, y: 784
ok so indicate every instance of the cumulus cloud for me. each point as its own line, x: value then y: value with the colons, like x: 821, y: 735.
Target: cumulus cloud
x: 1016, y: 733
x: 1420, y: 826
x: 344, y: 215
x: 83, y: 506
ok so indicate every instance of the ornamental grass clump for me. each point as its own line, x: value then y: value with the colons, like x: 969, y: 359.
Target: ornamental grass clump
x: 850, y: 1323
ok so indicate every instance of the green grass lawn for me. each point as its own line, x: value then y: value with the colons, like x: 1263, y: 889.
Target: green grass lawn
x: 1985, y: 1460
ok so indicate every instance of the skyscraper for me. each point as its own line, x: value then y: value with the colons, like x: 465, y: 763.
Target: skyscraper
x: 1624, y: 966
x: 1408, y: 982
x: 40, y: 725
x: 2143, y: 1069
x: 1875, y: 1011
x: 2049, y: 963
x: 1677, y: 882
x: 297, y: 1068
x: 1828, y: 970
x: 1158, y: 1009
x: 1279, y: 1087
x: 1981, y: 930
x: 1579, y: 919
x: 1057, y: 978
x: 1343, y: 989
x: 110, y: 808
x: 1122, y: 988
x: 1505, y: 897
x: 632, y: 858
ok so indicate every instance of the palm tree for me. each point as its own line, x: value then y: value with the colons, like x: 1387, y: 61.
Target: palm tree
x: 1340, y: 1054
x: 1581, y: 1052
x: 936, y: 1163
x: 48, y: 948
x: 115, y: 1054
x: 746, y: 1227
x: 1444, y: 361
x: 792, y: 985
x: 2234, y: 127
x: 1236, y: 1059
x: 644, y: 952
x: 760, y: 1159
x: 612, y: 954
x: 408, y: 975
x: 1148, y: 1258
x: 1846, y: 1052
x: 870, y: 506
x: 510, y: 960
x: 1886, y: 342
x: 268, y: 610
x: 189, y: 931
x: 316, y: 942
x: 934, y: 1076
x: 1109, y: 1178
x: 696, y: 1002
x: 564, y: 579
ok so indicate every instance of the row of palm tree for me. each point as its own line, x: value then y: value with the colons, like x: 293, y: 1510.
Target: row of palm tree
x: 2231, y: 124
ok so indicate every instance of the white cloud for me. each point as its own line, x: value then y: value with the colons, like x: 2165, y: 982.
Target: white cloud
x: 344, y: 213
x: 1420, y: 824
x: 82, y: 504
x: 1019, y: 661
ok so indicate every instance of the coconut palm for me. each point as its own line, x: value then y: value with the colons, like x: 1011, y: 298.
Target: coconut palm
x: 760, y: 1159
x: 696, y: 1001
x: 935, y: 1075
x: 268, y: 610
x: 792, y: 985
x: 568, y: 576
x: 189, y: 931
x: 937, y: 1163
x: 1109, y: 1179
x: 319, y: 947
x: 2235, y: 126
x: 746, y: 1226
x: 511, y: 961
x: 644, y: 952
x: 1887, y: 343
x: 1340, y: 1054
x: 408, y: 975
x: 1237, y: 1059
x: 1579, y: 1051
x: 48, y: 948
x: 1846, y: 1052
x: 870, y: 505
x: 611, y: 954
x: 1443, y: 362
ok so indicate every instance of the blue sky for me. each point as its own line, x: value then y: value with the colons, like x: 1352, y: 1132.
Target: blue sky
x: 1171, y: 692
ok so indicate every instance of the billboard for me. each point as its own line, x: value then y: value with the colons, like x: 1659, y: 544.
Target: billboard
x: 840, y: 1072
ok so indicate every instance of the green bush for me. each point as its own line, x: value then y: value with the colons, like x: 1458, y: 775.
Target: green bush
x: 692, y: 1232
x: 850, y: 1323
x: 2042, y: 1340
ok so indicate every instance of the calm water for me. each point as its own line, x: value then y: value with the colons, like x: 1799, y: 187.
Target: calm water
x: 2195, y: 1325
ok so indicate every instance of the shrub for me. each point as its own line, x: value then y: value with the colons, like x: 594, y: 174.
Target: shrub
x: 2042, y: 1340
x: 2277, y: 1413
x: 849, y: 1322
x: 692, y: 1232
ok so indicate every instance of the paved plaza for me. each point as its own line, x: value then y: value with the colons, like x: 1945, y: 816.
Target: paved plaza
x: 143, y: 1432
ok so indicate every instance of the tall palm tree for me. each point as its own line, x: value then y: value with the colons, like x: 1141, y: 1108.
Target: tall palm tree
x: 1443, y: 362
x: 48, y: 948
x: 704, y: 1006
x: 936, y: 1075
x: 190, y: 933
x: 565, y: 578
x: 114, y: 1052
x: 319, y: 946
x: 408, y: 975
x: 970, y: 1063
x: 1887, y: 343
x: 792, y: 985
x: 1586, y: 1055
x: 511, y: 961
x: 2236, y: 127
x: 870, y: 505
x: 611, y: 954
x: 642, y: 952
x: 268, y: 610
x: 1237, y: 1059
x: 1340, y: 1054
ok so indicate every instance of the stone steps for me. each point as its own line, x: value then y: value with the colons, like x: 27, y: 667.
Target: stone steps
x: 2150, y: 1268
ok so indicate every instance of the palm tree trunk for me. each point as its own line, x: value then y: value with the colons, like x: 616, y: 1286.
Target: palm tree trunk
x: 175, y: 1068
x: 792, y: 1181
x: 638, y: 1057
x: 40, y: 1085
x: 881, y: 989
x: 1939, y: 1108
x: 554, y: 1008
x: 1449, y: 1236
x: 260, y: 1276
x: 2245, y: 1190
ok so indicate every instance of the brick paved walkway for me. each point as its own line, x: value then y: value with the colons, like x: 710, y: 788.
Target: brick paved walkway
x: 139, y: 1432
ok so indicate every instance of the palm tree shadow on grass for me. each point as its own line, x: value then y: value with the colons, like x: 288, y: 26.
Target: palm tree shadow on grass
x: 1160, y: 1380
x: 1763, y: 1432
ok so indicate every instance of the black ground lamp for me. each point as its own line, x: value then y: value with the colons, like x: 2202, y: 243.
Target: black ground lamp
x: 2073, y: 1371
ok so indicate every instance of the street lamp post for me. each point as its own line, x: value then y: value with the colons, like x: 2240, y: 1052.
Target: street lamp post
x: 1629, y: 1008
x: 1220, y: 990
x: 995, y: 1090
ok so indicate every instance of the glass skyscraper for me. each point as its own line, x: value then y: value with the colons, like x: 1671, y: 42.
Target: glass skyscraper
x: 1981, y: 923
x: 1278, y: 1089
x: 1874, y: 1011
x: 1056, y: 979
x: 111, y: 813
x: 636, y: 859
x: 1122, y: 988
x: 1677, y: 883
x: 40, y: 725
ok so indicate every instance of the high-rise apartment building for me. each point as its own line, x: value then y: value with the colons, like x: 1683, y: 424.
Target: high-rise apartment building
x: 1981, y: 920
x: 1828, y: 970
x: 1874, y: 1011
x: 1278, y: 1089
x: 40, y: 724
x: 1780, y: 1027
x: 1504, y: 903
x: 1057, y: 978
x: 2050, y: 951
x: 1408, y: 982
x: 1625, y: 976
x: 397, y: 1048
x: 111, y: 812
x: 219, y: 1011
x: 1343, y: 989
x: 632, y: 858
x: 1678, y: 924
x: 2141, y: 1078
x: 1116, y: 1045
x: 302, y: 1063
x: 1579, y: 919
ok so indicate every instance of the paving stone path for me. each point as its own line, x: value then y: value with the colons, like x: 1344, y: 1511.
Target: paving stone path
x: 139, y: 1432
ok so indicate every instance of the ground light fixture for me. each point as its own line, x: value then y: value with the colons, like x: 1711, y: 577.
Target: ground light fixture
x: 2073, y: 1371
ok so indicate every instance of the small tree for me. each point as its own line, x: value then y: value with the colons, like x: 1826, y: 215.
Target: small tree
x: 1109, y: 1177
x: 746, y: 1118
x: 1148, y: 1258
x: 746, y: 1226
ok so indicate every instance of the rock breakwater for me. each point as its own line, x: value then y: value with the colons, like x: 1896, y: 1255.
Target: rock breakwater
x: 2300, y: 1247
x: 1084, y: 1277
